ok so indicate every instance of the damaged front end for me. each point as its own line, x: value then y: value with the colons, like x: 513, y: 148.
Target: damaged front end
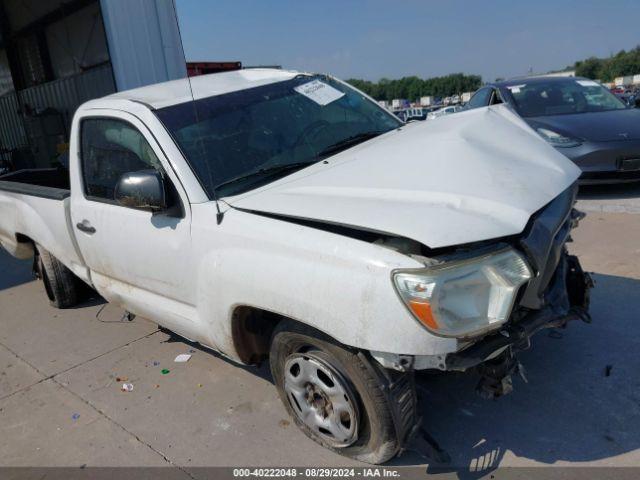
x: 556, y: 295
x: 495, y: 355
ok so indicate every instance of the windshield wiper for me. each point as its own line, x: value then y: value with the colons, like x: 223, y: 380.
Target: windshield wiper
x: 348, y: 142
x: 266, y: 172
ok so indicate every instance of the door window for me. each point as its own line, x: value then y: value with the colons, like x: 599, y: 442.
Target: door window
x: 480, y: 98
x: 111, y: 148
x: 495, y: 97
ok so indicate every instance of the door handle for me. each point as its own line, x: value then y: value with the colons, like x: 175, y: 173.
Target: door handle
x: 85, y: 227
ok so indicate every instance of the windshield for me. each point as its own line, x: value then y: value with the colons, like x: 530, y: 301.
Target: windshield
x: 541, y: 98
x: 241, y: 140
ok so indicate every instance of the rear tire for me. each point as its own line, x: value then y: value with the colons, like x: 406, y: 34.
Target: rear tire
x: 60, y: 284
x: 367, y: 391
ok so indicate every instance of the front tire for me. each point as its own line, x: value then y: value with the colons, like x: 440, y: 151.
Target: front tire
x: 60, y: 284
x: 338, y: 398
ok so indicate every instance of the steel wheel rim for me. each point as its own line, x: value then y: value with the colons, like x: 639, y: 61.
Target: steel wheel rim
x: 321, y: 399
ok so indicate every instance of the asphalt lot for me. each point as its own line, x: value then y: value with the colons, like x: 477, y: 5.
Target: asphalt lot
x: 61, y: 403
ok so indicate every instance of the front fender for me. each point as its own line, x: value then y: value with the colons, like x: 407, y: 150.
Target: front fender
x: 339, y: 285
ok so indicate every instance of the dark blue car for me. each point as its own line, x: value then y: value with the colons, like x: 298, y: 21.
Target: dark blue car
x: 579, y: 117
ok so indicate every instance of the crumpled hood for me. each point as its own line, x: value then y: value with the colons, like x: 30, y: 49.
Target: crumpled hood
x: 471, y: 176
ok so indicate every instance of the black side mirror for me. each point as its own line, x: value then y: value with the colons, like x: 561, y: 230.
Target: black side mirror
x: 143, y: 189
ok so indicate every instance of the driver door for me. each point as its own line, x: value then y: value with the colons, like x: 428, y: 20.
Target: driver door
x: 137, y: 259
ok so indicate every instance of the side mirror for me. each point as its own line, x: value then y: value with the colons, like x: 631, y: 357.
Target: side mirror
x: 143, y: 189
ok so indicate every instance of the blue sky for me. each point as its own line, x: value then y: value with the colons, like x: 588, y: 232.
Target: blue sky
x: 374, y: 38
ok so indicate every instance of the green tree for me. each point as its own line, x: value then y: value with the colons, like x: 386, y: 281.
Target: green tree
x: 606, y: 69
x: 412, y: 88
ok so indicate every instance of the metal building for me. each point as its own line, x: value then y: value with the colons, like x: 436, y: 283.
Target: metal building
x: 57, y: 54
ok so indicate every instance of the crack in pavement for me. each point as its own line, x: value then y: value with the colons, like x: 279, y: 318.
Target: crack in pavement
x: 48, y: 377
x: 123, y: 428
x: 87, y: 402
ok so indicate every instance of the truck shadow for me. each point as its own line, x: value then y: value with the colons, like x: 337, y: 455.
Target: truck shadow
x: 604, y: 192
x: 582, y: 402
x: 14, y: 272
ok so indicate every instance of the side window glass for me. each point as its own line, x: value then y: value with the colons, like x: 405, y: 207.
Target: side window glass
x: 495, y: 98
x: 480, y: 98
x: 111, y: 148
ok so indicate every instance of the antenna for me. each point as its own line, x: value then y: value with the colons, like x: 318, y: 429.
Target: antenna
x: 220, y: 214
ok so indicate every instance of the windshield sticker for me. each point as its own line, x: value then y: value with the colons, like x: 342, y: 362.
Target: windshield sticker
x: 516, y: 88
x: 588, y: 83
x: 320, y: 92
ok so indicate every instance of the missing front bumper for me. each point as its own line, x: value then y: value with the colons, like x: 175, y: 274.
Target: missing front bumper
x: 568, y: 299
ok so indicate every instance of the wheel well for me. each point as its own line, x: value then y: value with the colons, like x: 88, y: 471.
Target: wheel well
x: 25, y: 246
x: 21, y: 238
x: 252, y: 328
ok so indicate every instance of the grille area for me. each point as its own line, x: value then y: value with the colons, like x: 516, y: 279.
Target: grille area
x: 543, y: 243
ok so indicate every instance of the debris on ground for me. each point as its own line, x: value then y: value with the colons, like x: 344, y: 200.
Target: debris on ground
x: 75, y: 416
x: 127, y: 387
x: 164, y: 371
x: 283, y: 423
x: 156, y: 363
x: 121, y: 379
x: 182, y: 358
x: 199, y: 385
x: 607, y: 370
x: 192, y: 351
x: 157, y: 386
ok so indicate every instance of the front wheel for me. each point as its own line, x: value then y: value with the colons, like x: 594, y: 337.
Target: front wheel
x: 338, y: 398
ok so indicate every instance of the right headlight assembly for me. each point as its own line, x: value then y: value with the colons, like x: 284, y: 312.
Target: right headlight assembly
x: 463, y: 298
x: 558, y: 140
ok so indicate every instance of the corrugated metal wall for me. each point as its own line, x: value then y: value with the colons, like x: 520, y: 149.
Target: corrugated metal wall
x: 144, y: 48
x: 144, y: 41
x: 11, y: 130
x: 65, y: 95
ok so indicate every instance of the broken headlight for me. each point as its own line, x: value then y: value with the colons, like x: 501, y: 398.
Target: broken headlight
x: 466, y: 297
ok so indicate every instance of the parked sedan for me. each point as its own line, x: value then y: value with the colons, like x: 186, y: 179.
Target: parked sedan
x: 579, y: 117
x: 443, y: 111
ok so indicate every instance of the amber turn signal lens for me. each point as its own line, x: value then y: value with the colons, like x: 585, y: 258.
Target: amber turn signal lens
x: 422, y: 310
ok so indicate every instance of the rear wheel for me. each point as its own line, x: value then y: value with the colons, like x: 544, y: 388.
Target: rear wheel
x: 60, y: 284
x: 338, y: 398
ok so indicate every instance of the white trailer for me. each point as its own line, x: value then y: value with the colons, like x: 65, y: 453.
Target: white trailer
x: 623, y: 81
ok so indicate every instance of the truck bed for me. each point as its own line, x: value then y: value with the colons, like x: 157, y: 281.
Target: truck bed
x: 34, y: 205
x: 51, y: 183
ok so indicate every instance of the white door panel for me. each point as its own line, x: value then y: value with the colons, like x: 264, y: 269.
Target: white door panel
x: 137, y: 259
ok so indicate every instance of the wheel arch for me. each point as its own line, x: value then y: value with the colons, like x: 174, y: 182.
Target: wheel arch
x: 252, y: 328
x: 21, y: 246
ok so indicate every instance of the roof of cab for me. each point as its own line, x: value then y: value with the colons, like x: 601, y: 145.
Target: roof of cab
x: 174, y: 92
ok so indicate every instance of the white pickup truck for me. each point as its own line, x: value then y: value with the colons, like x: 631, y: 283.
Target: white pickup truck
x: 284, y: 215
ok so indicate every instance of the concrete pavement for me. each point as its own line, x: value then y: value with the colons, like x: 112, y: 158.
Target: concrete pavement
x: 61, y: 403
